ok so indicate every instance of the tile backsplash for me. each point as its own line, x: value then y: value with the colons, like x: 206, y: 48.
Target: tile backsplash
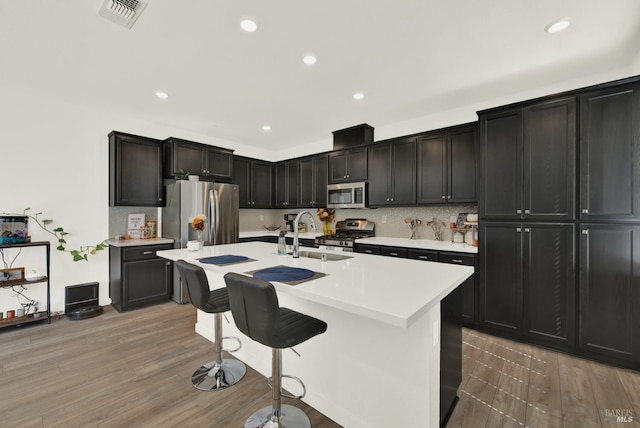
x: 390, y: 222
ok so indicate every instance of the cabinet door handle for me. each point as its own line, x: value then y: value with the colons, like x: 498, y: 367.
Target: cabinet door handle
x: 518, y: 230
x: 368, y: 251
x: 423, y: 257
x: 456, y: 260
x: 585, y: 211
x: 518, y: 211
x: 585, y: 231
x: 527, y: 211
x: 391, y: 199
x: 168, y: 263
x: 146, y: 253
x: 444, y: 197
x: 527, y: 230
x: 393, y: 254
x: 448, y: 196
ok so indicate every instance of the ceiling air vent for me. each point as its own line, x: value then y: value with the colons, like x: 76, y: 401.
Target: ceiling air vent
x: 122, y: 12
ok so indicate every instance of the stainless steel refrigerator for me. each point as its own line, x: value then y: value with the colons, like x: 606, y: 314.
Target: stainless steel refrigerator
x: 218, y: 202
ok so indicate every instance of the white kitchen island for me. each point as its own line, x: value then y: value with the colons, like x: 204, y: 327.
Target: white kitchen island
x: 378, y: 364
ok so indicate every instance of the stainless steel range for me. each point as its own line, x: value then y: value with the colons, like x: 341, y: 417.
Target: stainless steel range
x: 347, y: 231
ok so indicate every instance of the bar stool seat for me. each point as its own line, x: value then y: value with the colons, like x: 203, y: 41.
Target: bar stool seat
x: 256, y: 312
x: 219, y: 373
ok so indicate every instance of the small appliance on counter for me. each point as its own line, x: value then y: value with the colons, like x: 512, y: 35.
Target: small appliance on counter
x: 347, y: 231
x: 288, y: 221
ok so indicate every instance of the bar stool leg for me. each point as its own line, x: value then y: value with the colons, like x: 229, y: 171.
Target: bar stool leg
x: 219, y: 373
x: 278, y: 415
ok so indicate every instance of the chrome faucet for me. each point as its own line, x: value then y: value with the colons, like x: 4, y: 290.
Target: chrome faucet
x: 296, y: 244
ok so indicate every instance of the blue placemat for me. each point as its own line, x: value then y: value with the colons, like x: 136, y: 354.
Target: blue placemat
x: 223, y: 260
x: 283, y: 274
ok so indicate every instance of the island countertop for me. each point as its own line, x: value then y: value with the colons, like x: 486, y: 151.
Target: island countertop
x: 390, y: 290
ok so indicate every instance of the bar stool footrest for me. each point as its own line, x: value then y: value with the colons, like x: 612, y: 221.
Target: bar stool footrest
x: 295, y: 397
x: 232, y: 338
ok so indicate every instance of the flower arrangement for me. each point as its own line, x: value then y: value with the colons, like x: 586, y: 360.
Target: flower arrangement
x: 326, y: 216
x: 198, y: 224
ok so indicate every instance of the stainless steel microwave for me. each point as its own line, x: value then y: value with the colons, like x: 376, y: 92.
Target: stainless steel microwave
x: 347, y: 195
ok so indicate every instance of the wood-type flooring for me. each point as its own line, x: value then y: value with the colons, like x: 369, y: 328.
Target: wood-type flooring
x: 133, y: 370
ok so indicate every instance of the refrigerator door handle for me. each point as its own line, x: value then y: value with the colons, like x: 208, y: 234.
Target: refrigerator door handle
x: 212, y: 217
x: 216, y: 198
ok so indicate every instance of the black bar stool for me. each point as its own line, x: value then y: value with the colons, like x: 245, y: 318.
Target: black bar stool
x: 219, y: 373
x: 255, y: 309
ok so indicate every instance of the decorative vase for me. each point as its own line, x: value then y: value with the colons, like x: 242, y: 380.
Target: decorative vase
x: 200, y: 238
x: 326, y: 228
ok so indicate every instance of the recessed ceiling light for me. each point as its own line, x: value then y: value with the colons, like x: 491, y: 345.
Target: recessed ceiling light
x: 557, y: 25
x: 162, y: 95
x: 358, y: 96
x: 248, y: 25
x: 309, y: 59
x: 266, y: 128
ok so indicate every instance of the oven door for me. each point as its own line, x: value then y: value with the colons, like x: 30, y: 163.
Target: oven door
x: 348, y: 195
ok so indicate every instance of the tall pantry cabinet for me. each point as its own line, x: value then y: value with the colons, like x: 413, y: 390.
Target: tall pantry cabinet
x: 609, y: 237
x: 527, y: 215
x: 559, y: 207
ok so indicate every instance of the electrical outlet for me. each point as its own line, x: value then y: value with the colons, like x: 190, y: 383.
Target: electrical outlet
x: 384, y: 218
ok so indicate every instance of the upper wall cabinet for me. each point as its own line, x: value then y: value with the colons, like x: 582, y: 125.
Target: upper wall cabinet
x: 182, y: 156
x: 135, y: 171
x: 348, y: 165
x: 313, y: 181
x: 447, y: 166
x: 286, y: 184
x: 610, y: 154
x: 394, y: 179
x: 527, y: 162
x: 255, y: 179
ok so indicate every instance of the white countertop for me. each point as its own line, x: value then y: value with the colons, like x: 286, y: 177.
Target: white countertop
x: 139, y: 242
x: 387, y: 289
x: 258, y: 233
x: 423, y: 244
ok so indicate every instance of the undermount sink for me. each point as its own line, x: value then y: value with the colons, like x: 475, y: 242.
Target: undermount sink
x: 330, y: 257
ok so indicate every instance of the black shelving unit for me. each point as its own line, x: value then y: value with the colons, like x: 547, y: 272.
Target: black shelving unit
x: 44, y: 315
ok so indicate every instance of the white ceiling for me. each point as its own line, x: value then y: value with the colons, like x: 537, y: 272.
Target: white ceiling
x: 410, y: 58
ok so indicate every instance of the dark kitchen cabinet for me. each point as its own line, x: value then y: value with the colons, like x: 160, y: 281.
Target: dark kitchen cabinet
x: 348, y: 165
x: 286, y: 184
x: 394, y: 180
x: 313, y: 181
x: 610, y: 154
x: 500, y: 269
x: 255, y: 180
x: 182, y: 156
x: 137, y: 277
x: 527, y: 162
x: 447, y: 166
x: 468, y: 287
x: 549, y: 283
x: 527, y: 284
x: 610, y: 292
x: 135, y: 171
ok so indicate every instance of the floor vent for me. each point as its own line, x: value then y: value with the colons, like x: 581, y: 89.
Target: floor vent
x: 122, y: 12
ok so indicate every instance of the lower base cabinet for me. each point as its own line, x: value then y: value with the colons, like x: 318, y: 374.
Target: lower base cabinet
x: 609, y: 322
x: 137, y: 277
x: 527, y: 281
